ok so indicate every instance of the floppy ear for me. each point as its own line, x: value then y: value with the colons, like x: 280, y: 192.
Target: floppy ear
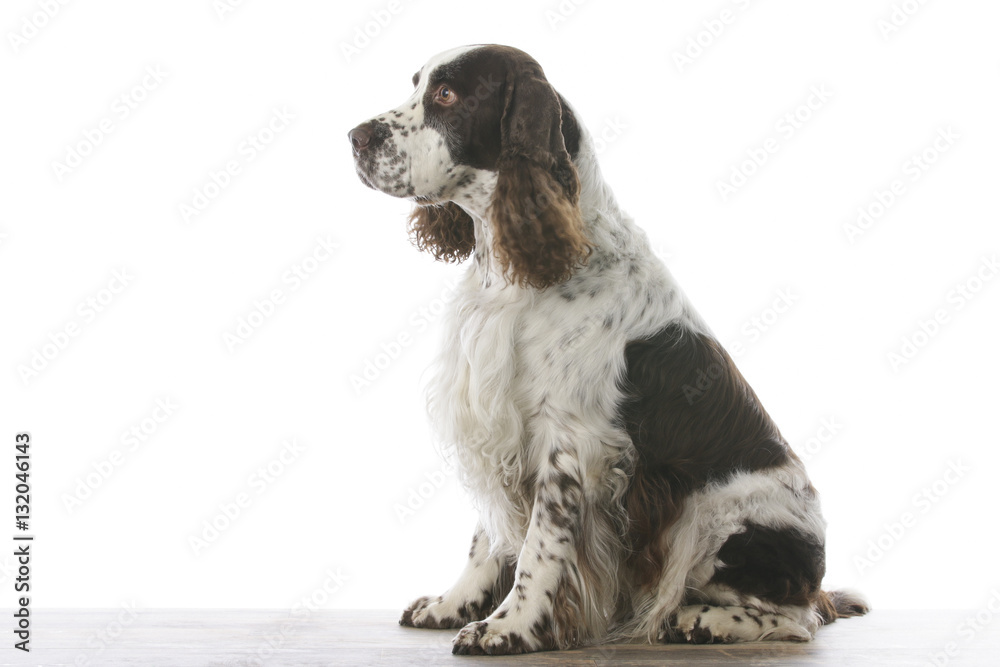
x: 537, y: 226
x: 444, y: 230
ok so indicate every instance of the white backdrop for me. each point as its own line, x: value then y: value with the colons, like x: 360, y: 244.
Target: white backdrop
x: 192, y: 278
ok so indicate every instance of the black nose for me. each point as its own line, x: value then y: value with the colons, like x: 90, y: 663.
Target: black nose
x: 361, y: 136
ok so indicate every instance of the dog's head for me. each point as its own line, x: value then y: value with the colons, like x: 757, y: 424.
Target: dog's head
x: 483, y: 131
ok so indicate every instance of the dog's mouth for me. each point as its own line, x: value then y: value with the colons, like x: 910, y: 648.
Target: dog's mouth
x: 386, y: 172
x: 371, y: 170
x: 363, y: 171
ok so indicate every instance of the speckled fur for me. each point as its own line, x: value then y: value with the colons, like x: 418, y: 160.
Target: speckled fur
x: 526, y: 400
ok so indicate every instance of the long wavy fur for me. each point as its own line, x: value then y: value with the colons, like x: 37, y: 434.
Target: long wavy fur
x: 444, y: 230
x: 538, y: 229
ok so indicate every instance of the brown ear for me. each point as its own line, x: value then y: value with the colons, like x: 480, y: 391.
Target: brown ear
x: 538, y: 230
x: 444, y: 230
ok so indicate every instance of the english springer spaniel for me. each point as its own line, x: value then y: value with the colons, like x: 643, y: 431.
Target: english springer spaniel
x: 630, y: 486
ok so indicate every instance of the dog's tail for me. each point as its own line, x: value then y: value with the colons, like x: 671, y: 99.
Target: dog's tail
x: 832, y: 605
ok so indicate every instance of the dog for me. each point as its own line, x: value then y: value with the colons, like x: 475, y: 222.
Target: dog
x: 629, y: 484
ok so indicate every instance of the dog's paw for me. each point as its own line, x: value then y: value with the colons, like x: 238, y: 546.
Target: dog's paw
x: 442, y: 612
x: 489, y: 638
x: 707, y: 624
x: 415, y: 606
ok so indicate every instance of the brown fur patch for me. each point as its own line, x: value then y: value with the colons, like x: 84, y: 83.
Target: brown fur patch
x: 537, y: 225
x: 444, y: 230
x: 539, y: 234
x: 692, y: 418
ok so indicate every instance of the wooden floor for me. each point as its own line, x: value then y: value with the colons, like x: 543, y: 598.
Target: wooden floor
x: 244, y: 638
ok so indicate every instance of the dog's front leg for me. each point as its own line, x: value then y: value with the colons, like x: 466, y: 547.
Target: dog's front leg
x: 546, y: 608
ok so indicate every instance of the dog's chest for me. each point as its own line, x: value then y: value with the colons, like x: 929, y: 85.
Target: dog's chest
x: 508, y: 354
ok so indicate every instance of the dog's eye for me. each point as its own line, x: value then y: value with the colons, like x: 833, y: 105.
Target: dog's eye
x: 445, y: 96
